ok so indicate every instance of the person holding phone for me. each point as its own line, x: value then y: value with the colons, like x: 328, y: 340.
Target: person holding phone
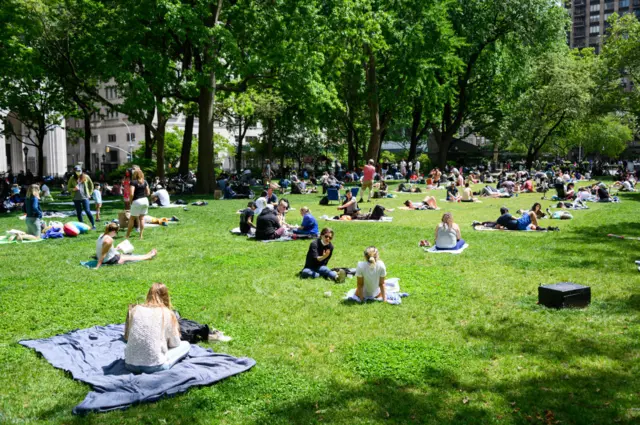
x: 81, y: 186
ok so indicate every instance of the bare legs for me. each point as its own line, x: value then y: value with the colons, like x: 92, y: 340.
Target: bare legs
x: 132, y: 258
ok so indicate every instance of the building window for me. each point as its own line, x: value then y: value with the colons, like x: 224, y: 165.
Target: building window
x: 595, y: 8
x: 94, y: 139
x: 607, y: 15
x: 113, y: 157
x: 594, y: 18
x: 579, y: 11
x: 594, y: 30
x: 112, y: 138
x: 111, y: 92
x: 112, y: 115
x: 131, y: 137
x: 636, y: 3
x: 608, y: 5
x: 623, y: 3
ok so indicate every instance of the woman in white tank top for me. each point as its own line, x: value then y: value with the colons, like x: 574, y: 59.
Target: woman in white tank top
x: 106, y: 253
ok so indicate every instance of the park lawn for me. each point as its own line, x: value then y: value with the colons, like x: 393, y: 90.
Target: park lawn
x: 468, y: 346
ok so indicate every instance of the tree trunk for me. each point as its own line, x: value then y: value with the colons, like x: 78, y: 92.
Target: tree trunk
x: 87, y: 138
x: 350, y: 149
x: 148, y: 142
x: 40, y: 153
x: 205, y: 173
x: 162, y: 123
x: 187, y: 141
x: 415, y: 129
x: 270, y: 129
x: 242, y: 131
x: 374, y: 105
x: 443, y: 141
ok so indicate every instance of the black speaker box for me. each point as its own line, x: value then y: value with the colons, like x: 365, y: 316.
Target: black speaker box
x: 564, y: 294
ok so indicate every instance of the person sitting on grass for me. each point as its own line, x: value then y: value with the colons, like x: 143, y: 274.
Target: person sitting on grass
x: 271, y: 197
x: 452, y: 193
x: 507, y: 221
x: 34, y: 213
x: 246, y: 218
x: 268, y: 225
x: 602, y: 194
x: 447, y: 234
x: 570, y: 192
x: 370, y: 276
x: 160, y: 197
x: 467, y: 194
x: 309, y: 224
x: 45, y: 192
x: 527, y: 187
x: 428, y: 203
x: 107, y: 253
x: 153, y: 334
x: 350, y: 205
x: 318, y: 256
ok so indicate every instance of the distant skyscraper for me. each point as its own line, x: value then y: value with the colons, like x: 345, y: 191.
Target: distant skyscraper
x: 589, y: 19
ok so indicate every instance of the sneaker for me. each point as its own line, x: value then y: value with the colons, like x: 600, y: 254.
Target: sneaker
x: 174, y: 218
x: 219, y: 336
x: 164, y: 223
x: 638, y: 262
x: 93, y: 227
x: 549, y: 212
x: 342, y: 276
x: 361, y: 200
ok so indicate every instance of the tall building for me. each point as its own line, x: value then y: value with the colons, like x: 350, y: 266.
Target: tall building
x: 589, y: 19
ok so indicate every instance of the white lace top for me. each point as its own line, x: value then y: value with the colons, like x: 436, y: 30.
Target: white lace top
x: 151, y: 333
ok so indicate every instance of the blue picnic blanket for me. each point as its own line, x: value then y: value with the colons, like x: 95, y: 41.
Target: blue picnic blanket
x: 95, y: 356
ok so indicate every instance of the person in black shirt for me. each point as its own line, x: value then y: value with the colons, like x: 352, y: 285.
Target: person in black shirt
x: 268, y: 226
x: 318, y: 256
x: 246, y: 218
x: 602, y: 193
x: 507, y: 221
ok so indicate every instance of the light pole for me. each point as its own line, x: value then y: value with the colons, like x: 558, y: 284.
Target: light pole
x: 26, y: 152
x: 129, y: 137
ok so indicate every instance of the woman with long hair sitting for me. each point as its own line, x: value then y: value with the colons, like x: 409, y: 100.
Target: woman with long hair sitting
x: 153, y: 334
x: 448, y: 234
x: 370, y: 276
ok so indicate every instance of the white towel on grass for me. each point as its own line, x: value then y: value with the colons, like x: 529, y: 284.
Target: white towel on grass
x: 435, y: 250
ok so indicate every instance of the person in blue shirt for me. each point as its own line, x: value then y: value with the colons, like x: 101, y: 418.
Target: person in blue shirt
x: 34, y: 213
x: 309, y: 224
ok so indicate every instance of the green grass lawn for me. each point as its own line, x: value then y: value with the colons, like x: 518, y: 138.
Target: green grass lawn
x: 469, y: 346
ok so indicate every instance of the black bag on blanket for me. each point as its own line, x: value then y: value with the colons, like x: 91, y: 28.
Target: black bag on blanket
x: 193, y: 331
x: 324, y: 200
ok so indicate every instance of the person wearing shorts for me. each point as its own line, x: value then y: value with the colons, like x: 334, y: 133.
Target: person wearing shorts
x: 367, y: 180
x: 139, y: 201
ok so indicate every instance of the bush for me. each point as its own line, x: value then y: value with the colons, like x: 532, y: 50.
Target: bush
x: 425, y: 163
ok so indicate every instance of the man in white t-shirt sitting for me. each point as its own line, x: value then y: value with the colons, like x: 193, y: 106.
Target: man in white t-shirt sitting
x: 160, y: 197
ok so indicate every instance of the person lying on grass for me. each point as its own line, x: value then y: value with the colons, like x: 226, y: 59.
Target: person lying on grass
x: 428, y: 203
x: 350, y: 205
x: 153, y: 334
x: 107, y: 253
x: 507, y: 221
x: 309, y: 224
x: 318, y: 256
x: 535, y: 208
x: 447, y: 234
x: 370, y: 276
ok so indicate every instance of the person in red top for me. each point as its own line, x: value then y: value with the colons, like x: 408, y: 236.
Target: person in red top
x: 527, y: 187
x: 367, y: 180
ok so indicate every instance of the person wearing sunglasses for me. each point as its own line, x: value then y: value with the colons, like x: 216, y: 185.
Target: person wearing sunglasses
x: 318, y: 256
